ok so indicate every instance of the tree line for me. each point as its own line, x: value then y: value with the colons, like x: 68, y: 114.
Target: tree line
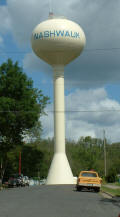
x: 36, y: 157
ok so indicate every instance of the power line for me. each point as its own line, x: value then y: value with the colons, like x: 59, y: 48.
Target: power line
x: 76, y: 111
x: 14, y: 52
x: 88, y: 111
x: 103, y: 49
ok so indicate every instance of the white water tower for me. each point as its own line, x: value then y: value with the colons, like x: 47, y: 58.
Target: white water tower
x: 58, y: 41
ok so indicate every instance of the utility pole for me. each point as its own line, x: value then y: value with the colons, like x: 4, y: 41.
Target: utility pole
x: 105, y: 167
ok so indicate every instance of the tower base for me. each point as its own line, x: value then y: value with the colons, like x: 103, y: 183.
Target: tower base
x: 60, y: 172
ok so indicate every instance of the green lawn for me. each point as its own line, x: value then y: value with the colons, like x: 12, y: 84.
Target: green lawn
x: 117, y: 184
x: 114, y: 192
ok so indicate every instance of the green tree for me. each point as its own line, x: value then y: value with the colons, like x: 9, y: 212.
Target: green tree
x: 34, y: 134
x: 32, y: 160
x: 35, y: 159
x: 21, y: 106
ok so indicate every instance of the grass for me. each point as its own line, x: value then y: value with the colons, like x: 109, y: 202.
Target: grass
x: 114, y: 192
x: 116, y: 183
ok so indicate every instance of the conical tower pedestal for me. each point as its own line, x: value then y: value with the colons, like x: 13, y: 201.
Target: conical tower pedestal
x: 60, y: 171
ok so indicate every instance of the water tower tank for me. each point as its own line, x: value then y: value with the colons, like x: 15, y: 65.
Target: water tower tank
x: 58, y: 41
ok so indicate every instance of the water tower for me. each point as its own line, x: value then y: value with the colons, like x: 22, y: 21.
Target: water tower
x: 58, y: 41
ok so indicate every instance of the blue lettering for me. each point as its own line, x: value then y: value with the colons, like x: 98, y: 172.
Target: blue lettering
x: 73, y: 36
x: 52, y: 33
x: 60, y: 33
x: 46, y: 34
x: 49, y: 34
x: 36, y: 36
x: 41, y: 35
x: 77, y: 35
x: 67, y: 34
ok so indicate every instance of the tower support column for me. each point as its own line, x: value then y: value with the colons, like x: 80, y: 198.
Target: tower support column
x: 59, y: 110
x: 60, y: 171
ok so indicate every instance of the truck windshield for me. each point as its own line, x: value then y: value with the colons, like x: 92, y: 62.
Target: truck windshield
x: 89, y: 174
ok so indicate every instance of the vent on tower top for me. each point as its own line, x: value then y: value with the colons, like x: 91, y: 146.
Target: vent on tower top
x: 51, y: 15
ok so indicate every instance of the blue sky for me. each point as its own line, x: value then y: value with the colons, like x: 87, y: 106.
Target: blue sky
x: 3, y: 2
x: 96, y: 73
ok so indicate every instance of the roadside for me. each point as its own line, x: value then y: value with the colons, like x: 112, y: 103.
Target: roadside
x: 113, y: 185
x: 112, y: 190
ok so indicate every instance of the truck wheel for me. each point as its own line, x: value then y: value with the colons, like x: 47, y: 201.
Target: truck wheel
x: 78, y: 188
x: 97, y: 189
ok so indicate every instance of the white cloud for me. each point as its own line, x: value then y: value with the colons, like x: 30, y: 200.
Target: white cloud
x: 25, y: 15
x: 33, y: 63
x: 5, y: 22
x: 88, y: 112
x: 1, y: 41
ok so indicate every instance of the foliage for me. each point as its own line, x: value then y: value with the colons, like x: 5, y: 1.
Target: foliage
x: 37, y: 157
x: 21, y: 106
x: 112, y: 175
x: 35, y: 132
x: 85, y: 155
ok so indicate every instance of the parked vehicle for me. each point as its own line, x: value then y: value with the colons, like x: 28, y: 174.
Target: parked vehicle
x: 42, y: 181
x: 20, y: 181
x: 26, y: 180
x: 16, y: 180
x: 89, y: 180
x: 31, y: 182
x: 12, y: 181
